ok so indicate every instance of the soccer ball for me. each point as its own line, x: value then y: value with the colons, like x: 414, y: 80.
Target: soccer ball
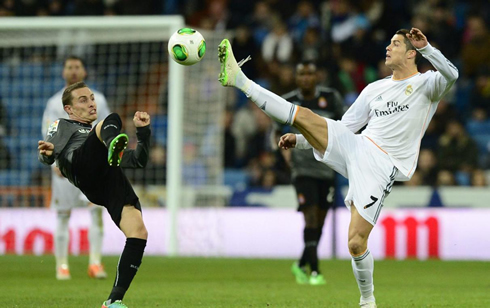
x: 186, y: 46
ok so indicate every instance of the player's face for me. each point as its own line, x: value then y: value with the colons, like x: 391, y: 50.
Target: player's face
x: 73, y: 71
x: 306, y: 77
x: 396, y: 52
x: 83, y: 107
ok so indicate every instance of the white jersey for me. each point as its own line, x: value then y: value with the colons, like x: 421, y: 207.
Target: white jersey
x: 397, y: 112
x: 65, y: 195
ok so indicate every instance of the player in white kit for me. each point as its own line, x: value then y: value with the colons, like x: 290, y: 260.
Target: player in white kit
x: 396, y: 110
x: 64, y: 195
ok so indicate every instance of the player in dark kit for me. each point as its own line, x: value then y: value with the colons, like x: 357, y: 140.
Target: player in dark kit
x: 313, y: 180
x: 92, y: 159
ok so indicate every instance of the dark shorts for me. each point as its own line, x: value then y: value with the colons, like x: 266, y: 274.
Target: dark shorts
x: 102, y: 184
x: 312, y: 191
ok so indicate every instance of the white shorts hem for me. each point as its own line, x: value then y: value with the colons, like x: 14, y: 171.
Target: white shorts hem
x: 348, y: 203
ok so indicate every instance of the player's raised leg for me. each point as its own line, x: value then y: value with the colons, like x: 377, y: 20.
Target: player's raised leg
x: 61, y: 239
x: 96, y: 234
x: 108, y: 131
x: 136, y: 234
x: 311, y: 125
x: 362, y: 259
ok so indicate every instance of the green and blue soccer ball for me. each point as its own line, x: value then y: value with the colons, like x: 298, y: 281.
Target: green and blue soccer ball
x: 186, y: 46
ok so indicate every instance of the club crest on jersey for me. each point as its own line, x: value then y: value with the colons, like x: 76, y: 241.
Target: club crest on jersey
x: 53, y: 128
x: 408, y: 90
x: 322, y: 102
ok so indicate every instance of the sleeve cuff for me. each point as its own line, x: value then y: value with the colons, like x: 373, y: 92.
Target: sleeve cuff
x: 142, y: 132
x: 427, y: 50
x: 301, y: 142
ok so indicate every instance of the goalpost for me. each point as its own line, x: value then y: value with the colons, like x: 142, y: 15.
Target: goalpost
x: 126, y: 59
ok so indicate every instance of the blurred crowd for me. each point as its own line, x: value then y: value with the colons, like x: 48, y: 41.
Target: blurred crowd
x: 347, y: 40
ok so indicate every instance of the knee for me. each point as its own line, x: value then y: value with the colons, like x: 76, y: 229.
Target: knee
x: 114, y: 117
x: 314, y: 217
x: 140, y: 232
x: 63, y: 218
x: 63, y: 215
x: 357, y: 244
x: 312, y: 221
x: 144, y: 233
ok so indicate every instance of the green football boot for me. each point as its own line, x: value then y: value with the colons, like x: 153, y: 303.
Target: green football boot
x: 116, y: 304
x: 229, y: 67
x: 317, y: 279
x: 299, y: 274
x: 116, y: 149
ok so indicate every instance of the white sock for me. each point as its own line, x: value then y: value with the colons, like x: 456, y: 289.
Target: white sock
x: 61, y: 238
x: 272, y: 104
x: 95, y: 234
x: 363, y: 268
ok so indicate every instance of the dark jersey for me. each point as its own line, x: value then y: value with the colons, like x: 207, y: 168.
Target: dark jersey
x: 326, y: 103
x: 68, y: 135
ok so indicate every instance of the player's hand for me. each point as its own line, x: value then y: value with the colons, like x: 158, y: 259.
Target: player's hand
x: 287, y: 141
x: 45, y: 148
x: 417, y: 38
x: 141, y: 119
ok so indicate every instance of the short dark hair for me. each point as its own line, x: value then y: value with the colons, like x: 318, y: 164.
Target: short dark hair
x: 67, y: 97
x: 409, y: 45
x: 72, y: 57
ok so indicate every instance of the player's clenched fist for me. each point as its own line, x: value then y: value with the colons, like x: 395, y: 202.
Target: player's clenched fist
x: 45, y: 148
x: 287, y: 141
x: 141, y: 119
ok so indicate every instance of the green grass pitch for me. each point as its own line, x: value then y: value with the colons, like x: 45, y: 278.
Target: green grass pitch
x: 29, y: 281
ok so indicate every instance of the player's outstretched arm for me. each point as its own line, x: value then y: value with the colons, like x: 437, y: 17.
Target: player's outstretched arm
x: 46, y: 150
x: 446, y: 74
x: 138, y: 158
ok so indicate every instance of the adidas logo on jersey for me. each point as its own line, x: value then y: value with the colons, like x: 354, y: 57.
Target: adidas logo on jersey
x: 379, y: 98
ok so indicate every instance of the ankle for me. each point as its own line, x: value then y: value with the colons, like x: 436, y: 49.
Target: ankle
x: 243, y: 83
x: 368, y: 299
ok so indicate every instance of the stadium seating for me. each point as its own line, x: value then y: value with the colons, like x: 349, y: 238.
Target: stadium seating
x: 236, y: 178
x: 24, y: 96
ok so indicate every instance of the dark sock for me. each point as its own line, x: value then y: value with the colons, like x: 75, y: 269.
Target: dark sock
x: 303, y: 260
x: 128, y: 266
x: 110, y: 128
x: 311, y: 237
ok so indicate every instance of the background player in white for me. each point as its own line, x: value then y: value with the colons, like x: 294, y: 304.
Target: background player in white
x: 64, y: 195
x: 396, y: 110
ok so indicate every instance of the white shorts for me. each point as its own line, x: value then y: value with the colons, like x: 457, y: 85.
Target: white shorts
x: 64, y: 195
x: 369, y: 169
